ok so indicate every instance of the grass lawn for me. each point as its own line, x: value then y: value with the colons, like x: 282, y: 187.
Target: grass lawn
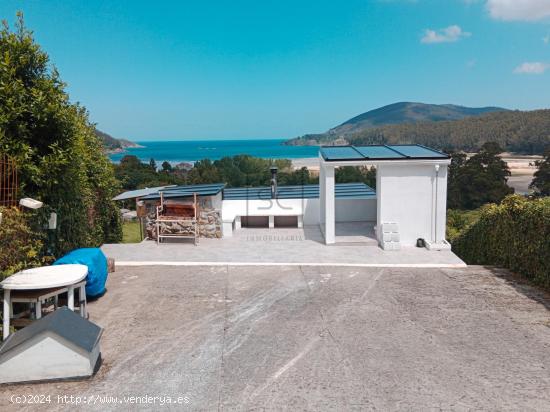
x: 130, y: 232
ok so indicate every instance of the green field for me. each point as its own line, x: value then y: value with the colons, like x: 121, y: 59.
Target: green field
x: 130, y: 232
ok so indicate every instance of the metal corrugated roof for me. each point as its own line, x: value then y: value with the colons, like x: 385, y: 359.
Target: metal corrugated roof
x: 187, y: 190
x: 132, y: 194
x: 380, y: 152
x: 342, y: 190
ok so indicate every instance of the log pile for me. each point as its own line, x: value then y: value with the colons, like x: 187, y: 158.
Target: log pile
x: 210, y: 225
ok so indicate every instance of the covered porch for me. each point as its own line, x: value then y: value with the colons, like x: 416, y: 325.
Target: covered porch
x: 411, y: 192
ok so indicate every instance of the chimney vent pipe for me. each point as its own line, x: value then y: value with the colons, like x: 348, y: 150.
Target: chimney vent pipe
x: 273, y: 171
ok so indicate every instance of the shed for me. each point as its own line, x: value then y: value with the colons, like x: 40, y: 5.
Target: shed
x: 61, y: 345
x: 411, y: 186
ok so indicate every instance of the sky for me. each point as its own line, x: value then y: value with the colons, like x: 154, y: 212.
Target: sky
x: 176, y: 70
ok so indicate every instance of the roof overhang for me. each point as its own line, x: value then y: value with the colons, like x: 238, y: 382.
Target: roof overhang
x: 405, y: 154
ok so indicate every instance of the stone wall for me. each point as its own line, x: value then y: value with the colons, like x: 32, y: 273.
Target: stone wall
x: 210, y: 224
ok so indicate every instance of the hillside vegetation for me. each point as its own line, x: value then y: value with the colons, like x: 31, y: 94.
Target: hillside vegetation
x: 521, y: 132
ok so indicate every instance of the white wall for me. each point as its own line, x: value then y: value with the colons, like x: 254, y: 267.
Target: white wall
x: 407, y: 195
x: 347, y: 210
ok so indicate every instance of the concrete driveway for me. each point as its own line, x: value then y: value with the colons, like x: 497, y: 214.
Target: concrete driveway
x: 315, y: 338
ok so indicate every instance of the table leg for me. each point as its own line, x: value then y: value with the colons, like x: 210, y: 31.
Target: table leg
x: 70, y: 295
x: 83, y: 303
x: 7, y: 314
x: 38, y: 308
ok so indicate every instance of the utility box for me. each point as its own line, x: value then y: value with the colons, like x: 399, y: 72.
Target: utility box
x: 61, y: 345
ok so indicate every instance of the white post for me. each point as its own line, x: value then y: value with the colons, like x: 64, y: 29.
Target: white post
x: 271, y: 221
x: 83, y: 303
x: 7, y: 314
x: 70, y: 297
x: 322, y: 197
x: 329, y: 206
x: 38, y: 309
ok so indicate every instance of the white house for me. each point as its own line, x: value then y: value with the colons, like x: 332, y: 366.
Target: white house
x: 409, y: 202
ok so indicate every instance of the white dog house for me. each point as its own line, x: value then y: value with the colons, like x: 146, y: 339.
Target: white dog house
x: 411, y: 192
x: 61, y: 345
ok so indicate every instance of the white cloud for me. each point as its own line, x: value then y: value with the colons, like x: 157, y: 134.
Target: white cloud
x: 532, y: 68
x: 447, y: 35
x: 526, y: 10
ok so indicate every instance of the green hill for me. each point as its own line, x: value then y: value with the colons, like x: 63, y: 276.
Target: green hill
x: 110, y: 143
x: 445, y: 127
x: 514, y: 131
x: 407, y: 112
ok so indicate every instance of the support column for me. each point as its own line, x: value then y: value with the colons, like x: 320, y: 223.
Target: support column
x: 7, y: 314
x: 271, y: 221
x: 70, y: 297
x: 329, y: 205
x: 38, y: 309
x: 322, y: 197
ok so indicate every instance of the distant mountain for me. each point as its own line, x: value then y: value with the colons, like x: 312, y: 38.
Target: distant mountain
x: 406, y: 112
x: 397, y: 113
x: 526, y: 132
x: 112, y: 144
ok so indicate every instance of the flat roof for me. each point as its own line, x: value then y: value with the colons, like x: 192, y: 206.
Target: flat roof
x: 133, y: 194
x: 341, y: 191
x: 186, y: 191
x: 380, y: 152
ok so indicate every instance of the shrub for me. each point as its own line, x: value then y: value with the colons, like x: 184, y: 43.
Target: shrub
x: 458, y: 221
x: 20, y: 246
x: 514, y: 234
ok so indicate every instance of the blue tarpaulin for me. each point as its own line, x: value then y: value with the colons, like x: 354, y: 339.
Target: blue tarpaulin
x: 97, y: 268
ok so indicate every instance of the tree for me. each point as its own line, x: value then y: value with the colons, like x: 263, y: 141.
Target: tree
x: 166, y: 167
x: 153, y: 164
x: 133, y: 174
x: 478, y: 180
x: 541, y: 178
x: 455, y: 182
x: 60, y: 158
x: 356, y: 174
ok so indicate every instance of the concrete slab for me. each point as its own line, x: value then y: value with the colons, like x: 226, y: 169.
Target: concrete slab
x: 313, y: 338
x: 278, y: 247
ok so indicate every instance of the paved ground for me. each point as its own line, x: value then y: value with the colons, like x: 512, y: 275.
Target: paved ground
x: 279, y: 246
x: 318, y: 338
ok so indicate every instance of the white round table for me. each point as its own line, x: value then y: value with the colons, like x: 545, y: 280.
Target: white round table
x: 44, y: 277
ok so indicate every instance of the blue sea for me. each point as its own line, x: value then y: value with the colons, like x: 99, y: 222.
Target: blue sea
x: 192, y: 150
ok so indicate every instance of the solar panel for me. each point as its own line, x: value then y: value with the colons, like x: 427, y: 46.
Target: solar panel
x: 416, y: 151
x: 340, y: 153
x: 379, y: 152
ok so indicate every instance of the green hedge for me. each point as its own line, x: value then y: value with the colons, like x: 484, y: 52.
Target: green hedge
x: 514, y: 234
x: 20, y: 246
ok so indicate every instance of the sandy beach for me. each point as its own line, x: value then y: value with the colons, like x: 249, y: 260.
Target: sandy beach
x: 521, y: 166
